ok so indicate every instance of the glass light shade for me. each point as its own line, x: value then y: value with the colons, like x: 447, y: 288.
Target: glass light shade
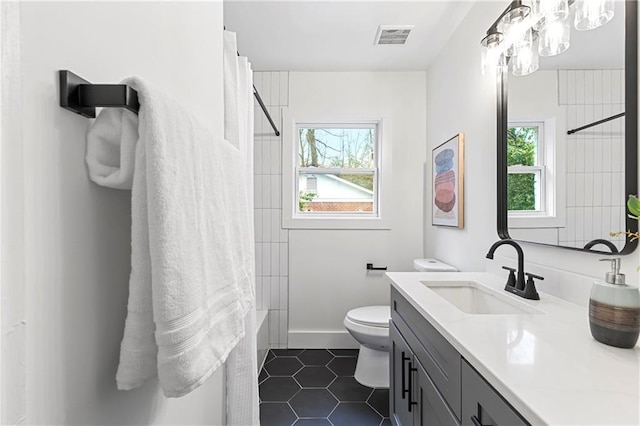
x: 513, y: 34
x: 513, y: 26
x: 527, y: 60
x: 490, y: 61
x: 515, y: 15
x: 554, y: 38
x: 534, y: 13
x: 546, y: 11
x: 491, y: 53
x: 591, y: 14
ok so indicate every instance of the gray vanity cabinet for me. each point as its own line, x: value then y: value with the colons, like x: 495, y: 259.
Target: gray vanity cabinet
x: 415, y: 400
x: 431, y: 384
x: 425, y: 370
x: 482, y: 405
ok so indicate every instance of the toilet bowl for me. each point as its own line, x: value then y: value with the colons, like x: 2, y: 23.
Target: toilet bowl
x: 369, y: 325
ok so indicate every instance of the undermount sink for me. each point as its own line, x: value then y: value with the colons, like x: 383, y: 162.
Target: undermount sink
x: 474, y: 298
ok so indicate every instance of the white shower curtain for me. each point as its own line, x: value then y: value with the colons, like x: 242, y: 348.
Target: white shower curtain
x: 242, y: 374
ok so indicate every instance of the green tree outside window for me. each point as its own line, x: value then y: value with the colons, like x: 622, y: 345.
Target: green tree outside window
x: 521, y: 151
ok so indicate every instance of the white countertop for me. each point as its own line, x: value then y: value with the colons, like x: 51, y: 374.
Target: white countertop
x: 547, y: 365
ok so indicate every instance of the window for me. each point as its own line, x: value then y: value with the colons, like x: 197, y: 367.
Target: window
x: 526, y: 171
x: 332, y: 175
x: 336, y: 169
x: 536, y: 173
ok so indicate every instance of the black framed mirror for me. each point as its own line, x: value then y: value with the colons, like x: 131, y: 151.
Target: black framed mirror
x: 567, y: 142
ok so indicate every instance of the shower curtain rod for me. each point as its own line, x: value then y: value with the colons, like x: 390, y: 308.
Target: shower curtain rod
x: 264, y: 108
x: 595, y: 123
x: 82, y: 97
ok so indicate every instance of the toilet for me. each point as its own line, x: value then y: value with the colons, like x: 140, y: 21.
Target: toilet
x: 369, y: 325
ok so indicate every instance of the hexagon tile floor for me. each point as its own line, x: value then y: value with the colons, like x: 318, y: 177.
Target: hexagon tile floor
x: 315, y: 387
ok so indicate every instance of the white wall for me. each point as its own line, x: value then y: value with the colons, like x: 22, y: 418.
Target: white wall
x: 460, y: 99
x: 77, y: 235
x: 12, y: 310
x: 327, y: 275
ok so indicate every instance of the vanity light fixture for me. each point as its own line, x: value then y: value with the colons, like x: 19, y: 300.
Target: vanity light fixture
x: 528, y: 28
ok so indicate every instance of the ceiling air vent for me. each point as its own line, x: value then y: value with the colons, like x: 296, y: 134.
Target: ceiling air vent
x: 392, y: 34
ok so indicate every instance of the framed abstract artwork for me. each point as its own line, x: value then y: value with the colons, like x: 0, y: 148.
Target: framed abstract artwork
x: 447, y: 164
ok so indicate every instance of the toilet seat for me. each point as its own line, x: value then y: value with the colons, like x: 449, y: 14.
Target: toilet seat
x: 371, y: 316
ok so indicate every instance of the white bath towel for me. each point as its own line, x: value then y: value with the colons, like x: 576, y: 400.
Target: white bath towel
x: 185, y: 309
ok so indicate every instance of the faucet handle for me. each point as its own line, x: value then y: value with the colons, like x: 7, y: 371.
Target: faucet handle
x: 511, y: 280
x: 532, y: 276
x: 530, y: 291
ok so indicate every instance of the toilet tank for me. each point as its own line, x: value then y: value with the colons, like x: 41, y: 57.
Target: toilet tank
x: 432, y: 265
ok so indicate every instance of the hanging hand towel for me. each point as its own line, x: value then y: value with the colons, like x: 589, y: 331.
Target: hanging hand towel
x: 184, y: 311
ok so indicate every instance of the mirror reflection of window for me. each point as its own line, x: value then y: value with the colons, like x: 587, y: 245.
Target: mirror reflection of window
x: 526, y: 170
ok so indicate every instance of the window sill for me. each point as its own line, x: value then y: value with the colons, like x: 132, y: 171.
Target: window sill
x: 517, y: 222
x: 336, y: 223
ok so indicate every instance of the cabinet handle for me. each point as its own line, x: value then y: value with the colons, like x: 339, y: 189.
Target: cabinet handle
x: 476, y: 421
x: 409, y: 400
x: 405, y: 390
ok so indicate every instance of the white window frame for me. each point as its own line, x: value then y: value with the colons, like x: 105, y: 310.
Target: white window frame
x: 294, y: 219
x: 550, y: 164
x: 539, y: 169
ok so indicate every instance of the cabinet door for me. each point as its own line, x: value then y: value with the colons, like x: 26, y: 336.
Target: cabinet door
x: 482, y: 405
x: 432, y: 409
x: 439, y: 359
x: 400, y: 357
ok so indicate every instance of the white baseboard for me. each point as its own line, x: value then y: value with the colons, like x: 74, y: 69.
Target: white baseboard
x: 311, y: 339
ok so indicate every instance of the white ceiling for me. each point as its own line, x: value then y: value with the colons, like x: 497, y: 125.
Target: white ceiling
x: 308, y: 35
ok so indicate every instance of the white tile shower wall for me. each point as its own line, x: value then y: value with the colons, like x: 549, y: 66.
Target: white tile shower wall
x: 272, y: 242
x: 595, y: 159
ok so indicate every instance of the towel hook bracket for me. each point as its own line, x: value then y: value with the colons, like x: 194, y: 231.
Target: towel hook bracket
x: 69, y: 98
x: 80, y: 96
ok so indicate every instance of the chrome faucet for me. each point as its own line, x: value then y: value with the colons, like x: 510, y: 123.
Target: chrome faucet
x: 517, y: 286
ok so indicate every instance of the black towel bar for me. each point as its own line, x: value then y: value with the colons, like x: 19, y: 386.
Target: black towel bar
x: 82, y: 97
x: 370, y: 267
